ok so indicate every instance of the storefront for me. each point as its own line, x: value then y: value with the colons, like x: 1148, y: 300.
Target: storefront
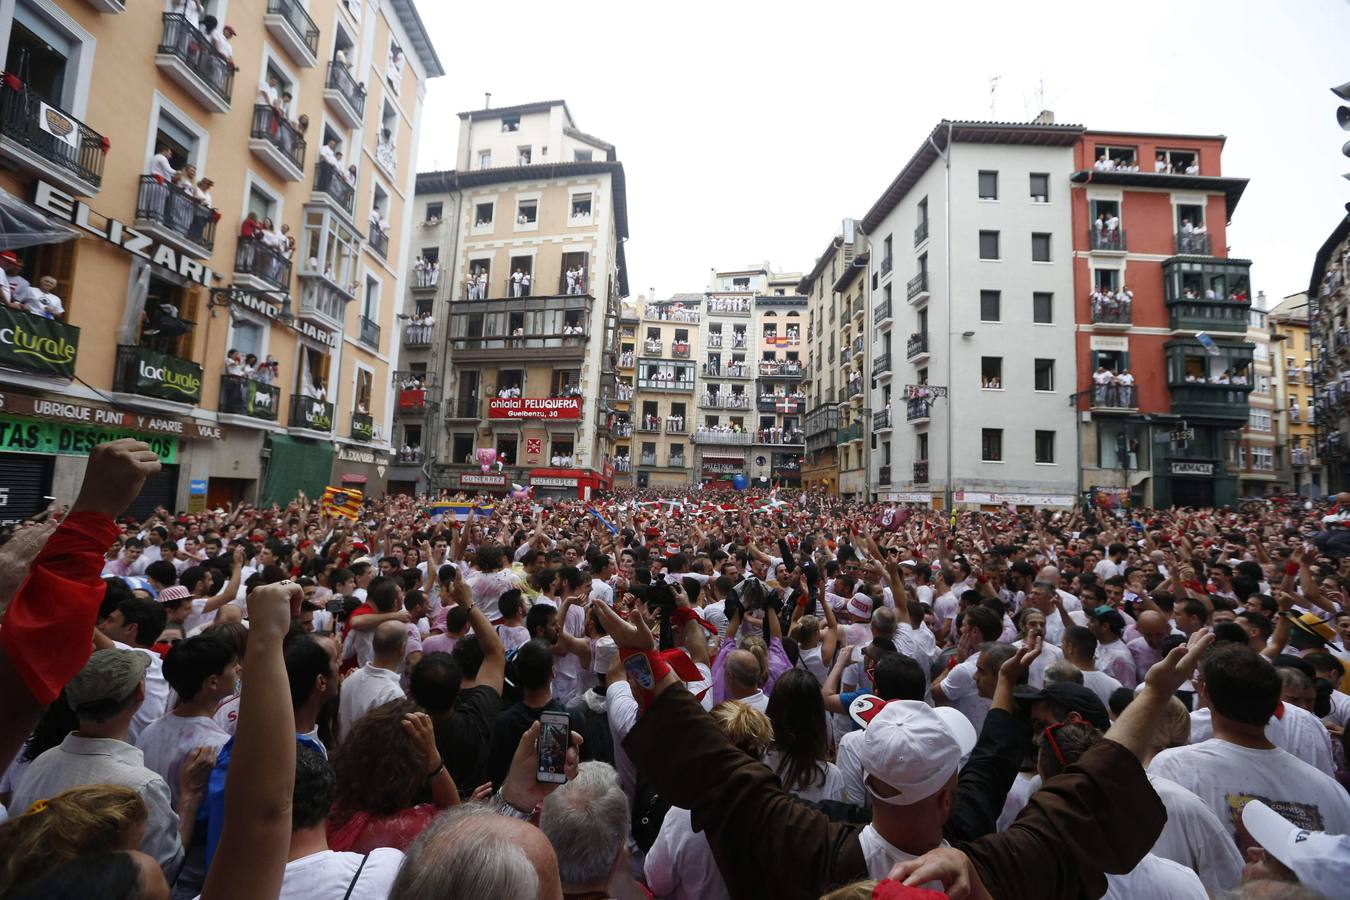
x: 360, y: 468
x: 567, y: 484
x: 1021, y: 502
x: 483, y: 483
x: 295, y: 464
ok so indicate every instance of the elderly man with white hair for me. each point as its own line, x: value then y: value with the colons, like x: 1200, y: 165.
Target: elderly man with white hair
x: 586, y: 821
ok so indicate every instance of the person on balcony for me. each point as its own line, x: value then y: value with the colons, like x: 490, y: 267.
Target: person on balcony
x: 13, y: 286
x: 313, y: 389
x: 516, y: 278
x: 1102, y: 380
x: 329, y: 153
x: 525, y: 284
x: 482, y: 281
x: 42, y: 300
x: 250, y: 228
x: 221, y: 65
x: 269, y: 94
x: 191, y: 10
x: 471, y: 284
x: 350, y: 174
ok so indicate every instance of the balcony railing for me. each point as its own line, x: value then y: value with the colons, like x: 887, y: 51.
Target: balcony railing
x: 714, y: 341
x: 333, y: 182
x: 150, y: 374
x: 884, y: 475
x: 378, y: 240
x: 1189, y: 314
x: 706, y: 435
x: 917, y: 408
x: 921, y: 232
x: 732, y: 370
x: 654, y: 384
x: 881, y: 365
x: 184, y: 42
x: 340, y: 79
x: 413, y: 389
x: 859, y: 306
x: 917, y: 285
x: 881, y: 312
x: 52, y: 134
x: 269, y: 126
x: 253, y: 257
x: 1196, y: 243
x: 881, y: 419
x: 851, y: 432
x: 1110, y: 311
x: 417, y: 334
x: 780, y: 436
x: 647, y: 459
x: 724, y: 401
x: 173, y: 208
x: 855, y: 388
x: 648, y: 427
x: 311, y: 413
x: 462, y: 409
x: 370, y: 332
x: 780, y: 369
x: 724, y: 306
x: 242, y: 396
x: 298, y: 21
x: 738, y: 340
x: 1115, y: 396
x: 887, y: 263
x: 1218, y: 401
x: 426, y: 276
x: 1106, y: 241
x: 916, y: 345
x: 921, y: 472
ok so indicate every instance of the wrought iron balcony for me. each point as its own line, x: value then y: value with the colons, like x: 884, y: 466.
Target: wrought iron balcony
x: 1196, y: 243
x: 345, y: 94
x: 849, y: 433
x: 918, y: 409
x: 311, y: 414
x: 292, y: 27
x: 45, y: 139
x: 881, y: 420
x: 921, y: 232
x: 881, y: 365
x: 921, y: 472
x: 370, y: 333
x: 884, y: 475
x: 1104, y: 241
x: 704, y: 435
x: 1111, y: 312
x: 363, y: 428
x: 332, y: 183
x: 188, y: 57
x: 917, y: 345
x: 378, y: 240
x: 277, y: 142
x: 242, y: 396
x: 881, y: 313
x: 254, y: 259
x: 170, y: 213
x: 916, y: 286
x: 1115, y: 396
x: 162, y: 376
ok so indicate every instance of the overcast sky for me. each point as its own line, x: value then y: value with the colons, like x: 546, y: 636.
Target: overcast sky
x: 748, y: 130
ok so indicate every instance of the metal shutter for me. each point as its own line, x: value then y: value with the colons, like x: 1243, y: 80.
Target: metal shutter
x: 24, y: 480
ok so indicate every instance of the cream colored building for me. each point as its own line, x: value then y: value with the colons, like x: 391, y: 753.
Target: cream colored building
x: 1294, y: 359
x: 526, y: 237
x: 667, y: 345
x: 156, y: 286
x: 1262, y: 442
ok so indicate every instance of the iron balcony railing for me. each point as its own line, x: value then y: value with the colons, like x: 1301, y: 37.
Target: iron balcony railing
x: 299, y: 21
x: 379, y: 241
x: 370, y: 332
x: 921, y: 472
x: 916, y: 285
x: 916, y: 345
x: 329, y: 180
x: 884, y: 475
x: 1110, y: 311
x: 1195, y: 243
x: 921, y: 232
x: 270, y: 126
x: 917, y: 408
x: 180, y: 39
x: 881, y: 365
x: 881, y: 312
x: 340, y: 79
x: 886, y: 264
x: 310, y: 413
x: 1115, y: 396
x: 461, y: 409
x: 254, y: 257
x: 1103, y: 239
x: 248, y: 397
x: 881, y: 419
x: 51, y: 133
x: 173, y: 208
x: 416, y: 334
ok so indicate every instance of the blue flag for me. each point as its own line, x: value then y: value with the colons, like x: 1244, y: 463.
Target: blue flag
x: 602, y: 520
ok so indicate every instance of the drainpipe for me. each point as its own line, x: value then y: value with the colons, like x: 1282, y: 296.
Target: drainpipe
x: 951, y: 419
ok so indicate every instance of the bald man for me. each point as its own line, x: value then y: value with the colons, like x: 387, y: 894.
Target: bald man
x: 377, y: 682
x: 1153, y: 628
x: 470, y: 852
x: 744, y: 680
x: 1051, y: 575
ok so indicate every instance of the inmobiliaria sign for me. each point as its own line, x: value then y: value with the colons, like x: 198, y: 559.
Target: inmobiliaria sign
x: 534, y: 408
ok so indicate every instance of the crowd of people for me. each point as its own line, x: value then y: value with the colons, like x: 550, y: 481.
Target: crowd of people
x: 17, y: 293
x: 1109, y: 305
x: 766, y: 694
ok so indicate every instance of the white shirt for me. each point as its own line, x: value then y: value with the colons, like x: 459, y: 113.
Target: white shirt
x: 1194, y: 837
x: 567, y: 669
x: 365, y: 689
x: 1293, y: 730
x: 156, y: 693
x: 1107, y: 569
x: 1116, y: 660
x: 1155, y: 878
x: 829, y: 787
x: 959, y: 688
x: 159, y: 165
x: 1225, y: 776
x: 328, y: 874
x: 759, y: 700
x: 602, y: 591
x: 848, y: 760
x: 1049, y: 654
x: 680, y: 864
x: 882, y: 855
x: 488, y: 587
x: 1101, y: 684
x: 1026, y: 784
x: 169, y: 740
x: 623, y: 714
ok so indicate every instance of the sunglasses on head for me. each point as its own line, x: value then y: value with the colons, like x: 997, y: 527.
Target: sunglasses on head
x: 1048, y: 735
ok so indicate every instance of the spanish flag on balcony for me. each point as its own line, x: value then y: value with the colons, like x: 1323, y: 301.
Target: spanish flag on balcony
x: 341, y: 501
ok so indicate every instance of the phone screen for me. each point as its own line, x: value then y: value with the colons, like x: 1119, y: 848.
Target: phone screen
x: 554, y: 732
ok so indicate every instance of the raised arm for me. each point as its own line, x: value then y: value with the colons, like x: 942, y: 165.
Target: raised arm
x: 493, y: 670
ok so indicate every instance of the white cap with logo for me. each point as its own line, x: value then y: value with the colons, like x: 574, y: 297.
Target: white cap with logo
x: 1320, y: 860
x: 915, y: 748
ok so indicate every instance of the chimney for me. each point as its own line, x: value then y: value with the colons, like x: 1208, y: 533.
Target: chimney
x: 487, y: 100
x: 1044, y: 117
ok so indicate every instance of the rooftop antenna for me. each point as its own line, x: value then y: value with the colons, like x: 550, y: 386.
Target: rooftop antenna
x: 993, y: 87
x: 1040, y: 93
x: 487, y: 100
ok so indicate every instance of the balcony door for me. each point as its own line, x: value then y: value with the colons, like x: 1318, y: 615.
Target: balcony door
x: 39, y: 56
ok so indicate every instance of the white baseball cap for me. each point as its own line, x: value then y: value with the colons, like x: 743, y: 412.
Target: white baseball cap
x: 602, y: 655
x: 915, y: 748
x: 860, y: 607
x: 1320, y: 860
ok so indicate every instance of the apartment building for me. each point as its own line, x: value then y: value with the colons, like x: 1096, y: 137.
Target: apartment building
x: 525, y: 237
x: 624, y: 390
x: 1165, y: 366
x: 969, y: 255
x: 750, y: 405
x: 1261, y: 448
x: 1294, y: 359
x: 667, y: 342
x: 109, y: 113
x: 836, y: 424
x: 1329, y: 315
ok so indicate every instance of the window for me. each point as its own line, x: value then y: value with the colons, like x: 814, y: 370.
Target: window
x: 1263, y: 458
x: 461, y: 447
x: 1109, y: 158
x: 1040, y: 187
x: 991, y: 444
x: 328, y: 246
x: 581, y: 206
x: 991, y: 372
x: 989, y: 306
x: 1259, y: 419
x: 989, y: 245
x: 510, y: 123
x: 484, y: 159
x: 434, y: 211
x: 247, y: 337
x: 523, y: 156
x: 921, y: 448
x: 1043, y: 308
x: 1045, y: 374
x: 1045, y: 446
x: 371, y: 304
x: 364, y: 382
x: 988, y: 185
x: 1177, y: 162
x: 1040, y: 247
x: 1122, y: 446
x: 527, y: 212
x: 582, y: 155
x: 482, y: 215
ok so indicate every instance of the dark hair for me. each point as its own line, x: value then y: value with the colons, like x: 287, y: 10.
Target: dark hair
x: 1231, y: 633
x: 397, y: 783
x: 534, y: 664
x: 1073, y: 739
x: 189, y: 663
x: 897, y: 677
x: 162, y: 572
x: 1197, y: 609
x: 413, y: 598
x: 538, y: 616
x: 1120, y: 698
x: 1083, y: 641
x: 986, y: 621
x: 1322, y: 661
x: 797, y: 712
x: 468, y: 653
x: 1259, y: 622
x: 457, y: 619
x: 383, y: 594
x: 233, y: 633
x: 57, y: 721
x: 148, y: 617
x: 490, y: 558
x: 338, y: 576
x: 315, y: 785
x: 571, y: 576
x: 306, y: 660
x: 115, y: 592
x: 108, y: 876
x: 509, y: 603
x: 192, y: 576
x: 1241, y: 685
x: 434, y: 682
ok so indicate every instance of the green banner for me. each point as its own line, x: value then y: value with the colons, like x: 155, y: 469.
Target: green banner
x: 35, y: 344
x: 307, y: 412
x: 166, y: 377
x: 363, y: 427
x: 261, y: 400
x: 58, y: 438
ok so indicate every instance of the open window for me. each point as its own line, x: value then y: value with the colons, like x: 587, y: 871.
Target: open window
x: 527, y: 212
x: 523, y: 155
x: 478, y: 279
x: 506, y: 448
x: 583, y: 155
x: 510, y: 123
x: 167, y: 318
x: 565, y: 383
x: 1177, y: 162
x: 364, y: 388
x: 312, y: 378
x: 581, y: 207
x: 575, y: 274
x: 484, y: 159
x: 991, y: 372
x: 1108, y: 158
x: 482, y: 215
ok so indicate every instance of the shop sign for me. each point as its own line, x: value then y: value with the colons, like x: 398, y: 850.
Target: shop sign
x: 906, y: 497
x: 77, y: 212
x: 534, y: 408
x: 1014, y: 499
x: 351, y: 454
x: 35, y: 344
x: 82, y: 413
x: 167, y: 377
x: 197, y: 495
x: 1109, y: 343
x: 58, y: 438
x: 477, y: 479
x: 352, y: 478
x: 550, y: 481
x: 259, y: 304
x: 1192, y: 468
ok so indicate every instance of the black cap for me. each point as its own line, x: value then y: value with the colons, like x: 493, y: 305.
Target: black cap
x: 1071, y: 698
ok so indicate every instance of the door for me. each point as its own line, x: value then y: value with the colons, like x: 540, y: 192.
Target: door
x: 160, y: 489
x: 223, y: 491
x: 1192, y: 492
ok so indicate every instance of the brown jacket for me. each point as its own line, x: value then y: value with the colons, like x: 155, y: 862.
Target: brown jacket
x: 1099, y: 816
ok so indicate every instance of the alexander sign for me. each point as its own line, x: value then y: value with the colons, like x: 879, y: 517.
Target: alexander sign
x: 534, y: 408
x: 35, y: 344
x: 77, y: 212
x: 102, y: 417
x: 256, y: 303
